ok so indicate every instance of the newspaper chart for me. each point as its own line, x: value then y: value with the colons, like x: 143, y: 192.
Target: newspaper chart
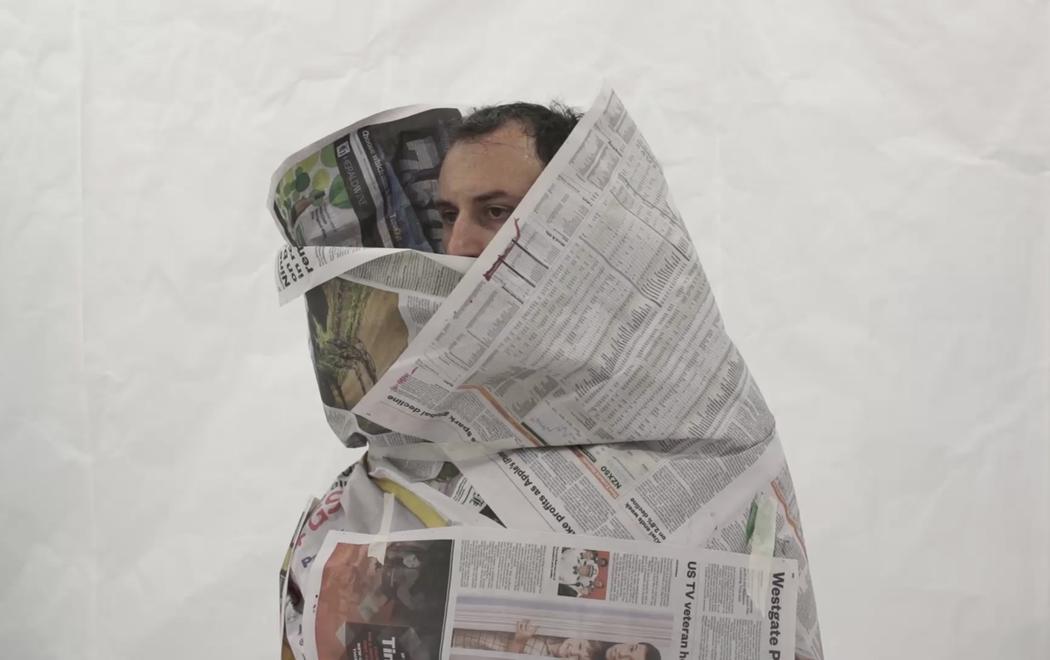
x: 575, y: 378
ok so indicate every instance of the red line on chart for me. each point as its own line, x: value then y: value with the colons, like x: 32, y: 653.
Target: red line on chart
x: 501, y: 259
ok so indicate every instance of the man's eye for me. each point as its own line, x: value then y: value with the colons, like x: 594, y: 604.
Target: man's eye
x: 498, y: 213
x: 448, y: 217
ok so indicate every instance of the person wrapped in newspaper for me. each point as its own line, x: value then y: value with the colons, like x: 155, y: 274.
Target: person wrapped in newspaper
x: 506, y: 308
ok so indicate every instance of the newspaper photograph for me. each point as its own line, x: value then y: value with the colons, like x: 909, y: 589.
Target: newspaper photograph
x: 356, y: 332
x: 371, y: 184
x: 470, y: 593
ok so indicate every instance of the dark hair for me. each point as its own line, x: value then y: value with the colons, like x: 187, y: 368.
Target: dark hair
x: 547, y: 126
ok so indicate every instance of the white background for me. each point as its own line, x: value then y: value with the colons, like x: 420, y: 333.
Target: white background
x: 866, y: 183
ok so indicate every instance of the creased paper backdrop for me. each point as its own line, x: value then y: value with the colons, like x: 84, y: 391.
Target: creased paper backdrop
x: 866, y: 184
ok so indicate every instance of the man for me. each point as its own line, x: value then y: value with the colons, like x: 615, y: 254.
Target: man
x: 497, y: 154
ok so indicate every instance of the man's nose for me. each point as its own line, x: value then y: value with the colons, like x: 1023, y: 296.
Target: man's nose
x: 467, y: 239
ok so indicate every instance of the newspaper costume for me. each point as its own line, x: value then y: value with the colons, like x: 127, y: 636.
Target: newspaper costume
x: 575, y: 378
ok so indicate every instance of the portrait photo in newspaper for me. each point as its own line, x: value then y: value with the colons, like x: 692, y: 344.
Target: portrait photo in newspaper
x: 582, y: 573
x: 505, y: 307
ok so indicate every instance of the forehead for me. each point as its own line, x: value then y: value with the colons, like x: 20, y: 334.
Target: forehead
x: 502, y: 160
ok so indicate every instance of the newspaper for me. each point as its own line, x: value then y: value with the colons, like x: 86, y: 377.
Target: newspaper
x: 471, y: 593
x: 575, y: 378
x: 367, y: 185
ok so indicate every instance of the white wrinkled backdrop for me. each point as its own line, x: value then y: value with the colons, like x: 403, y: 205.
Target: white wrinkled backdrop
x: 866, y: 184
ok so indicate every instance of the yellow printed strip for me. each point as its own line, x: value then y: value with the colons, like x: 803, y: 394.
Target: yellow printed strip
x: 414, y: 503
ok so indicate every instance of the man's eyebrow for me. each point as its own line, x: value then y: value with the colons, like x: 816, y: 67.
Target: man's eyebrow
x: 478, y: 199
x: 485, y: 197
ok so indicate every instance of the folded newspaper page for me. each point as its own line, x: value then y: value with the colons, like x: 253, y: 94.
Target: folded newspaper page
x: 463, y: 592
x: 575, y: 378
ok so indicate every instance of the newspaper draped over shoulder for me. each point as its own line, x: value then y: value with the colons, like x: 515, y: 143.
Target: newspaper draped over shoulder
x: 567, y: 456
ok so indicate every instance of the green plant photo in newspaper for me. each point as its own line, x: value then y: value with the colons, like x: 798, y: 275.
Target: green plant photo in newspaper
x: 311, y: 185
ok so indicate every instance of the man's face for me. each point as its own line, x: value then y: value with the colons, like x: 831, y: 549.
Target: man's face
x: 482, y: 180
